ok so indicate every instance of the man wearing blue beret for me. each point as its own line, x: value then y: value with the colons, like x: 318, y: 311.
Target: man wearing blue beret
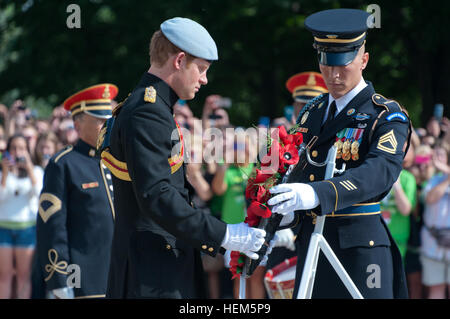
x: 371, y: 134
x: 158, y: 233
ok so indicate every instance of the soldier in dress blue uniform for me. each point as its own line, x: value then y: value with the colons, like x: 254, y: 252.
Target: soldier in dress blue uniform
x: 158, y: 233
x: 76, y: 214
x: 371, y: 133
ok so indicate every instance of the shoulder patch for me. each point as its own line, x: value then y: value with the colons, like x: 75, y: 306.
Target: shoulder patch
x: 63, y: 152
x: 388, y: 142
x: 54, y: 207
x: 116, y: 110
x: 396, y: 115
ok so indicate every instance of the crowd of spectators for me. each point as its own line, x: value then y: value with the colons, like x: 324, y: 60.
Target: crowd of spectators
x: 417, y: 210
x: 26, y: 145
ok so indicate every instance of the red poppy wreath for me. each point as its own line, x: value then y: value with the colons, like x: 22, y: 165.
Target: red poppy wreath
x: 282, y: 152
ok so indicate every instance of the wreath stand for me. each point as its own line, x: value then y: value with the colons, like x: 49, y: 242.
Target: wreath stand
x: 318, y: 243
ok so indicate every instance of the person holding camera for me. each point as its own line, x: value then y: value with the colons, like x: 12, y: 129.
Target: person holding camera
x: 214, y: 112
x: 435, y: 234
x: 20, y: 185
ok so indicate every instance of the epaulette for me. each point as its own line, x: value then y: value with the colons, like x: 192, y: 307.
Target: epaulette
x: 116, y: 110
x: 150, y: 94
x: 63, y: 152
x: 116, y: 167
x: 388, y: 105
x: 104, y: 137
x: 392, y: 111
x: 314, y: 102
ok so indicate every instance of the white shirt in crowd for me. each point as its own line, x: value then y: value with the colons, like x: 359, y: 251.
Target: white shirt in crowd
x: 436, y: 215
x: 19, y: 200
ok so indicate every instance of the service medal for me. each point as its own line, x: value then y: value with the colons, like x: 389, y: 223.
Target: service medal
x: 347, y: 157
x: 338, y: 145
x: 346, y: 150
x: 354, y: 150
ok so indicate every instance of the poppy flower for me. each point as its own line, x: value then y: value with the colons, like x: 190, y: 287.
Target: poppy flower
x: 256, y: 193
x: 262, y: 176
x: 298, y: 138
x: 236, y: 263
x: 284, y: 136
x: 258, y: 209
x: 288, y: 155
x: 252, y: 220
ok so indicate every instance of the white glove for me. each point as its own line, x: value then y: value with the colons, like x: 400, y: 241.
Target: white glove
x: 61, y: 293
x: 294, y: 196
x: 243, y: 238
x: 288, y: 218
x: 285, y: 239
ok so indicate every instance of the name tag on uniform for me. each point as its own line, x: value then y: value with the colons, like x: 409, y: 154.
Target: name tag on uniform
x: 303, y: 130
x: 89, y: 185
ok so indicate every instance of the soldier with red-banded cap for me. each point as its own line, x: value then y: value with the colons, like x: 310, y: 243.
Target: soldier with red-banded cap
x: 304, y: 87
x: 76, y: 213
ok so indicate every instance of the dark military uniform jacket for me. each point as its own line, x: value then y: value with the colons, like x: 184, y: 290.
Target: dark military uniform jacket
x: 158, y: 234
x: 75, y: 222
x: 354, y: 227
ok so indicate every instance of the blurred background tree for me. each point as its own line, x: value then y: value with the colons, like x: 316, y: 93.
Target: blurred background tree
x: 261, y: 44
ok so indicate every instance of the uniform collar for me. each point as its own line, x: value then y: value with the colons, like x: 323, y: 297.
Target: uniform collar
x: 342, y: 102
x: 84, y: 148
x: 357, y: 104
x: 163, y: 90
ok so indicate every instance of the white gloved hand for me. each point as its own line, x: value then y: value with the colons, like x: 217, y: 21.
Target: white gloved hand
x: 293, y: 196
x: 243, y: 238
x: 285, y: 239
x: 61, y: 293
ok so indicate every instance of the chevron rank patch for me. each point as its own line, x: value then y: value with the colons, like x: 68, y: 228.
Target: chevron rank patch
x: 388, y: 142
x: 348, y: 185
x: 53, y: 205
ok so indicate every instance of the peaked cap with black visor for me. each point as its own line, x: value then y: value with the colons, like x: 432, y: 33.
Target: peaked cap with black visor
x: 338, y: 34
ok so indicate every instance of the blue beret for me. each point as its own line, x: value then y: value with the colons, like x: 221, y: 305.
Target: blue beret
x: 191, y: 37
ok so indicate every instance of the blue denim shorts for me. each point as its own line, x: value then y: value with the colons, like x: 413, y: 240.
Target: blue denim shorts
x: 18, y: 238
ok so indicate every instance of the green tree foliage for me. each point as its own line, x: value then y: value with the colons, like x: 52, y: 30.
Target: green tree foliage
x: 261, y: 43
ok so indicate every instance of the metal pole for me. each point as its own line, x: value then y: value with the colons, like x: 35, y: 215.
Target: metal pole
x: 317, y: 242
x: 242, y: 284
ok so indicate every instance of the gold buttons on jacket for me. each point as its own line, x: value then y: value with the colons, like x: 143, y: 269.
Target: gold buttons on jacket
x: 314, y: 153
x: 168, y: 247
x: 204, y: 246
x: 371, y: 243
x: 210, y: 249
x: 311, y: 177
